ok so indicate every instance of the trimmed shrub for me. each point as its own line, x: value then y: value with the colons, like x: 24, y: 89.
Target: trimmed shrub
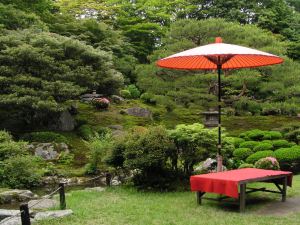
x: 259, y: 155
x: 148, y: 98
x: 272, y: 135
x: 86, y: 132
x: 288, y: 155
x: 134, y: 91
x: 268, y: 163
x: 44, y: 136
x: 249, y: 144
x: 267, y: 141
x: 263, y: 147
x: 125, y: 94
x: 281, y: 144
x: 5, y: 136
x: 246, y: 165
x: 101, y: 103
x: 256, y: 135
x: 293, y: 135
x: 236, y: 141
x: 242, y: 153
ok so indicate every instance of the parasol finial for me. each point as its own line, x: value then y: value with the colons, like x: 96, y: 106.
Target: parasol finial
x: 218, y: 40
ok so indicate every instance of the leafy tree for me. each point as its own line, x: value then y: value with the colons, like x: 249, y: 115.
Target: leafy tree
x: 40, y: 71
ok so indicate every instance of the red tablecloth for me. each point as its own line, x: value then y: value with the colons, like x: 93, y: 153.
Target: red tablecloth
x: 227, y: 182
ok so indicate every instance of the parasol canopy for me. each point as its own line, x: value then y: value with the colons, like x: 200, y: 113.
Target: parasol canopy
x: 219, y: 56
x: 230, y: 56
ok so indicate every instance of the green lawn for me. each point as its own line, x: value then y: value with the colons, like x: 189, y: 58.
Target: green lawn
x: 126, y: 206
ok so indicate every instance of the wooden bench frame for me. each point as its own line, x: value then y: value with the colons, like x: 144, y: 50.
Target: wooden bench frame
x: 280, y: 182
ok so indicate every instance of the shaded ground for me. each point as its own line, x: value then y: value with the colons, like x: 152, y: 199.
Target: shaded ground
x: 292, y: 205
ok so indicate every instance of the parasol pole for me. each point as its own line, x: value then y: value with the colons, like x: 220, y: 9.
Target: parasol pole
x: 219, y: 156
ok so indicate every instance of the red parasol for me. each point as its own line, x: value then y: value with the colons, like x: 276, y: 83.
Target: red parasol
x: 218, y: 56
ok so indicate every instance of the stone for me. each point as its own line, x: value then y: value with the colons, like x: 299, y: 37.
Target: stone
x: 139, y: 112
x: 53, y: 214
x: 97, y: 189
x: 11, y: 221
x: 115, y: 181
x: 117, y: 98
x: 16, y: 196
x: 48, y: 151
x: 4, y: 213
x: 45, y: 204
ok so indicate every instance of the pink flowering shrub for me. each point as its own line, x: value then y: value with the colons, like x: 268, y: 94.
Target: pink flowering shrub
x: 268, y: 163
x: 101, y: 103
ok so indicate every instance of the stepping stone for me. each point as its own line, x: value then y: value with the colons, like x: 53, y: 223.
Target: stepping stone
x: 45, y: 204
x: 11, y: 221
x: 4, y: 213
x: 53, y: 214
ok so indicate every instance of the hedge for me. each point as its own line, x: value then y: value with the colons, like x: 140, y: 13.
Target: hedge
x: 282, y: 144
x: 259, y: 155
x: 242, y: 153
x: 45, y: 136
x: 288, y: 155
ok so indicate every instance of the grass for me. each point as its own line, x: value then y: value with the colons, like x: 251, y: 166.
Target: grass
x: 126, y: 206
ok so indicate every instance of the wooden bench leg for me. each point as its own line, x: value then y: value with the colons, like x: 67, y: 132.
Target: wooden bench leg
x: 284, y: 187
x: 242, y: 197
x: 199, y: 197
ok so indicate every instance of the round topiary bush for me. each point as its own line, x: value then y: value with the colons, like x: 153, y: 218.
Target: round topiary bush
x: 148, y: 98
x: 249, y: 144
x: 101, y: 103
x: 125, y: 93
x: 246, y: 165
x: 259, y: 155
x: 268, y: 163
x: 288, y: 155
x: 263, y: 147
x: 272, y: 135
x: 236, y: 141
x: 282, y: 144
x: 242, y: 153
x: 256, y: 135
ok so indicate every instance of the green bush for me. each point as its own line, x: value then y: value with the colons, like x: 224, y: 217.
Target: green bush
x: 11, y: 149
x: 44, y: 136
x: 116, y: 157
x: 19, y: 172
x: 268, y: 163
x: 293, y: 135
x: 5, y: 136
x: 288, y: 155
x: 272, y: 135
x: 246, y: 165
x: 242, y: 153
x: 281, y: 144
x: 249, y: 144
x: 148, y: 98
x: 256, y: 135
x: 125, y: 94
x: 134, y: 91
x: 263, y: 147
x: 86, y: 132
x: 236, y: 141
x: 259, y: 155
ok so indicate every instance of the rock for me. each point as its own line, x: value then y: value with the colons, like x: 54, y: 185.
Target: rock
x: 140, y: 112
x: 117, y: 99
x: 11, y: 221
x: 97, y: 189
x: 48, y: 151
x: 4, y: 213
x: 16, y: 196
x: 115, y: 181
x: 53, y: 214
x: 45, y: 204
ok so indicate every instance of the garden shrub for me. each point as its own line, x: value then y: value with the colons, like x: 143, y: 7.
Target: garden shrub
x: 268, y: 163
x: 19, y: 172
x: 242, y: 153
x: 134, y: 91
x: 44, y: 136
x: 125, y: 94
x: 263, y: 147
x: 116, y: 157
x: 5, y: 136
x: 86, y: 132
x: 236, y: 141
x: 281, y: 144
x: 256, y: 135
x: 272, y: 135
x: 249, y: 144
x: 288, y: 155
x: 259, y: 155
x: 148, y: 98
x: 101, y: 103
x: 293, y: 135
x: 11, y: 149
x: 246, y: 165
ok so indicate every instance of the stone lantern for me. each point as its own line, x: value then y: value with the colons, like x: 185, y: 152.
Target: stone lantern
x: 211, y: 118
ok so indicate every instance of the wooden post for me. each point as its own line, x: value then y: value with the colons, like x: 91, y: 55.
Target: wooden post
x: 25, y: 217
x: 108, y: 179
x: 199, y: 197
x: 242, y: 197
x: 284, y: 186
x: 62, y: 197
